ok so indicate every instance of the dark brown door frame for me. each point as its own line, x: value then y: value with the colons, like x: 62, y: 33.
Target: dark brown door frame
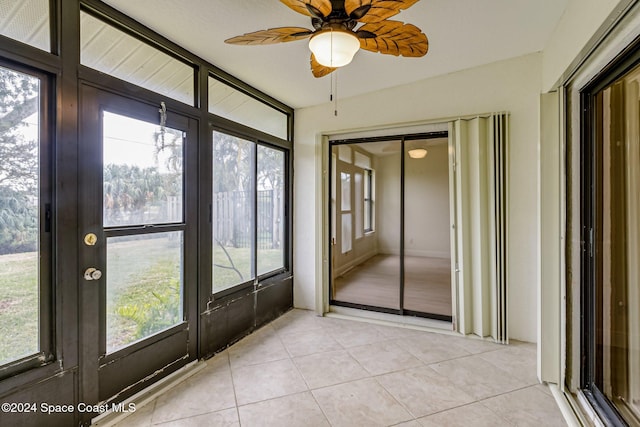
x: 104, y: 377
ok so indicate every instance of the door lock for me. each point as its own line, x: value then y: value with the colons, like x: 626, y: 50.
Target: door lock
x: 90, y: 239
x: 92, y: 274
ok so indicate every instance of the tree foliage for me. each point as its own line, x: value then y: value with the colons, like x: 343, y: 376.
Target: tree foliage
x: 135, y: 195
x: 231, y: 163
x: 128, y: 190
x: 18, y: 162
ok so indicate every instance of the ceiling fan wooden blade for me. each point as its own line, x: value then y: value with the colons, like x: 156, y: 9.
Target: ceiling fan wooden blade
x: 314, y: 8
x: 395, y: 38
x: 271, y: 36
x: 318, y: 69
x: 378, y: 10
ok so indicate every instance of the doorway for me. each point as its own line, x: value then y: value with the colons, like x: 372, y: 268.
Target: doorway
x: 390, y: 225
x: 138, y: 255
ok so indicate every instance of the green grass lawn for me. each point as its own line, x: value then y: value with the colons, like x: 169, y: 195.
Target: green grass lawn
x: 225, y: 277
x: 18, y: 306
x: 144, y: 293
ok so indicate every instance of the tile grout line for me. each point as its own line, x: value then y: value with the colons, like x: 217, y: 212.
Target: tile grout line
x: 384, y: 338
x: 397, y: 401
x: 233, y: 386
x: 309, y: 390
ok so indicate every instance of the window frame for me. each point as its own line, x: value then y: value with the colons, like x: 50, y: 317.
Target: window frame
x: 46, y: 226
x: 258, y: 138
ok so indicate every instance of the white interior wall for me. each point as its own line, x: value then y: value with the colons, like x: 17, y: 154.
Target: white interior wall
x: 512, y: 85
x: 580, y: 21
x: 387, y: 203
x: 426, y: 223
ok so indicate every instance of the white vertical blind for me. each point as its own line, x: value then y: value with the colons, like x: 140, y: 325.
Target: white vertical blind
x: 481, y: 146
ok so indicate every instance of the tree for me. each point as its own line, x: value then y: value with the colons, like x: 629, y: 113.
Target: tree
x: 18, y: 152
x: 18, y: 162
x: 231, y: 163
x: 135, y: 195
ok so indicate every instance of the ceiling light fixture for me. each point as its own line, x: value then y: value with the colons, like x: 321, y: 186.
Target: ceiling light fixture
x: 337, y: 34
x: 334, y: 47
x: 417, y: 153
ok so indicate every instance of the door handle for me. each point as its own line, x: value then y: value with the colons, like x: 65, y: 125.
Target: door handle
x: 92, y: 274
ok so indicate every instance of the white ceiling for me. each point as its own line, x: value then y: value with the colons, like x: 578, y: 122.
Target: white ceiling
x: 462, y: 34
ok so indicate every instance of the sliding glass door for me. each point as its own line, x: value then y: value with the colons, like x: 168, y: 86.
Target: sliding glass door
x: 611, y: 197
x: 366, y: 242
x: 390, y: 217
x: 427, y: 240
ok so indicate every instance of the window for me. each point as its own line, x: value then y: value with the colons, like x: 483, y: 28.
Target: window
x: 359, y: 205
x: 271, y: 218
x: 114, y: 52
x: 346, y: 214
x: 611, y: 183
x: 26, y: 21
x: 25, y: 218
x: 368, y: 200
x: 232, y: 211
x: 248, y: 210
x: 230, y: 103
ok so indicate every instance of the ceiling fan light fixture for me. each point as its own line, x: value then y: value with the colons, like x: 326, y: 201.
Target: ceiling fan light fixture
x: 334, y: 47
x: 417, y: 153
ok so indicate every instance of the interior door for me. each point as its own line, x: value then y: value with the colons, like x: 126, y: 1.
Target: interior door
x: 137, y: 170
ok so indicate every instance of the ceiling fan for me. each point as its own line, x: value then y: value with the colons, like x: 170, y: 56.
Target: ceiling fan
x: 336, y: 36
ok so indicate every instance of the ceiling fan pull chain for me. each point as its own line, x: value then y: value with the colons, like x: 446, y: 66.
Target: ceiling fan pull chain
x: 333, y: 89
x: 335, y: 98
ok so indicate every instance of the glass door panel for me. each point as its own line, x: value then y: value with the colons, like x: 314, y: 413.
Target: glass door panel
x: 616, y: 356
x: 366, y: 258
x: 142, y: 183
x: 142, y: 176
x: 427, y: 240
x: 144, y: 286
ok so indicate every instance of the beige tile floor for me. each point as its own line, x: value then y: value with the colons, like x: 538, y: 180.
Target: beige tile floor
x: 305, y: 370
